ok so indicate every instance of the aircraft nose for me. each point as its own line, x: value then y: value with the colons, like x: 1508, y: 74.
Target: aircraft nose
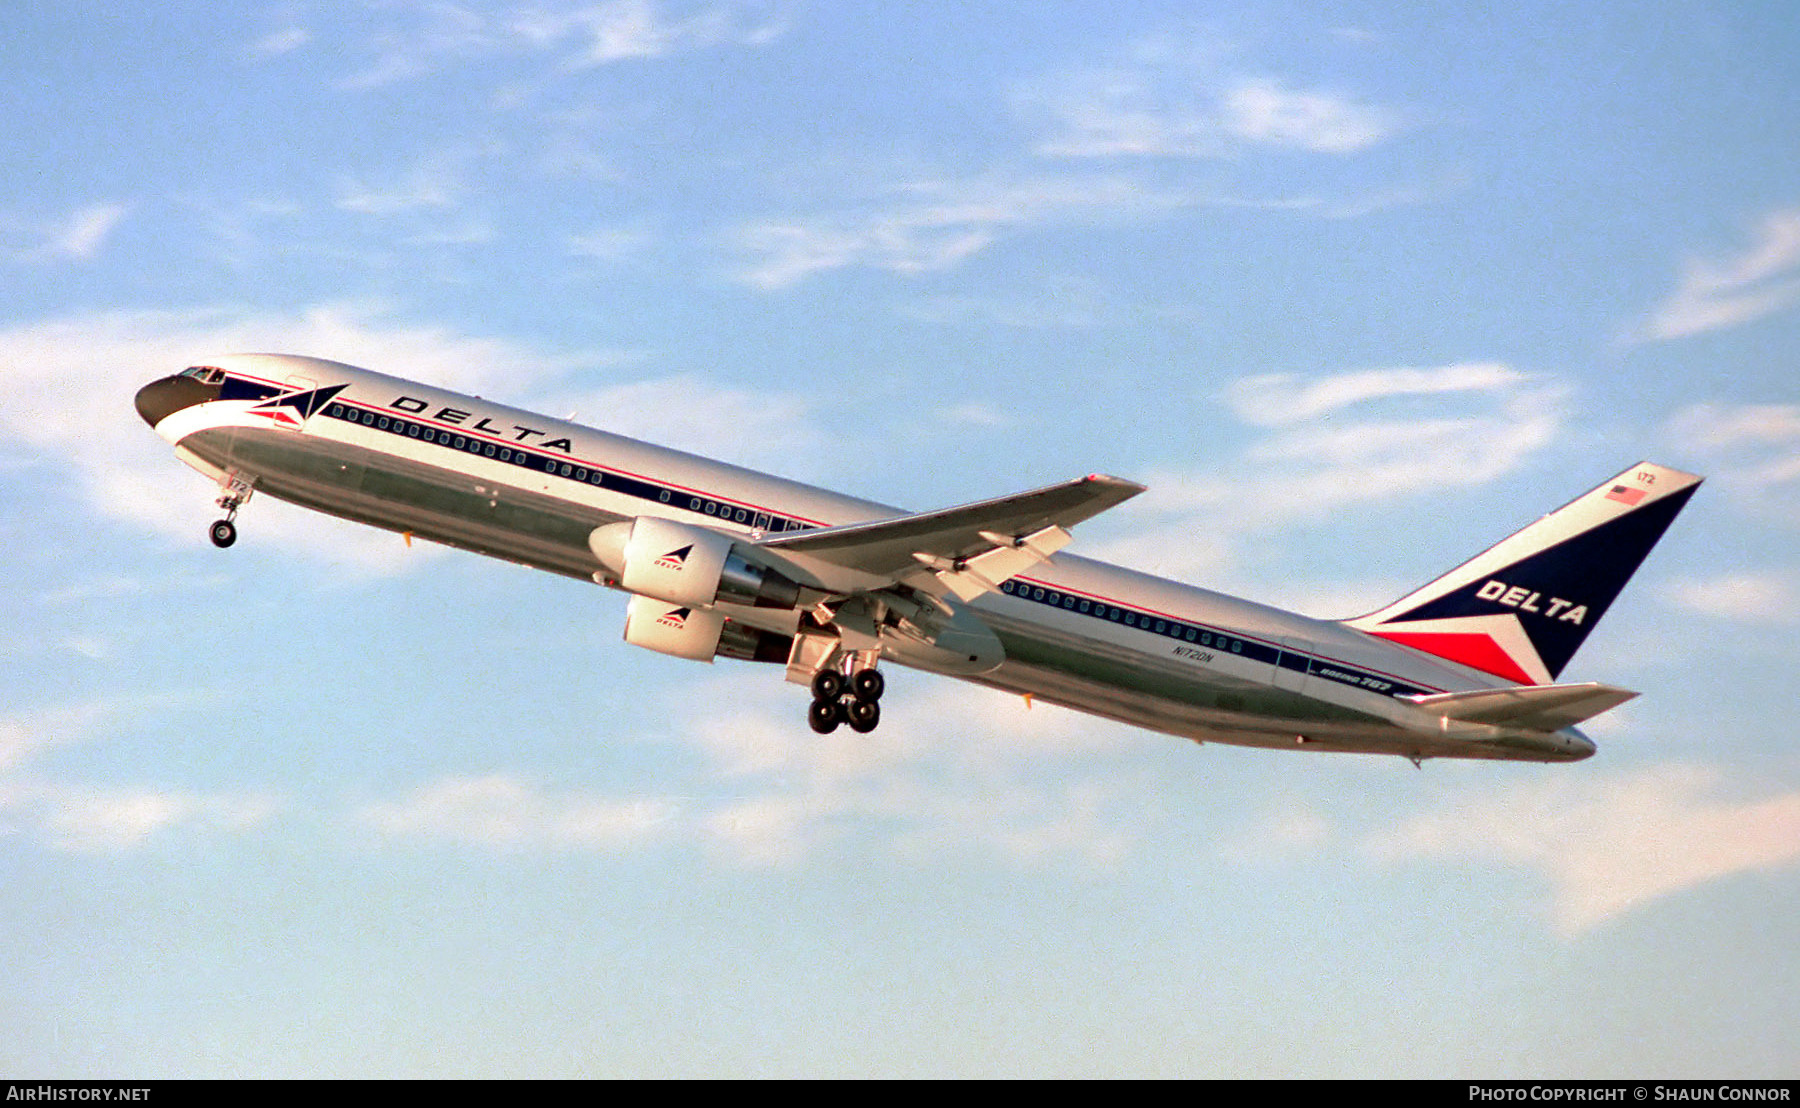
x: 162, y: 398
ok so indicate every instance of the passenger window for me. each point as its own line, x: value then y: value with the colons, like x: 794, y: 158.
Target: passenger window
x: 1084, y: 606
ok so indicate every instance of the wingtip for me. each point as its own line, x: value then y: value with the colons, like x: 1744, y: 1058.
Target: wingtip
x: 1116, y: 482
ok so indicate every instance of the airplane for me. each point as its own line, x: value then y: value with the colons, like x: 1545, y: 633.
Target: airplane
x: 721, y: 561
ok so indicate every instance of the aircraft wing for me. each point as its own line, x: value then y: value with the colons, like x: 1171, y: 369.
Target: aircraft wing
x: 1535, y: 707
x: 966, y: 550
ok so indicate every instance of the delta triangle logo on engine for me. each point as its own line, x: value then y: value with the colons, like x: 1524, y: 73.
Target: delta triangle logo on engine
x: 675, y: 559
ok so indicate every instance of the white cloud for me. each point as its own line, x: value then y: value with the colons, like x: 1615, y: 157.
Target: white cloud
x: 1057, y: 300
x: 277, y: 43
x: 953, y: 769
x: 504, y: 812
x: 1281, y: 834
x: 1167, y: 98
x: 615, y: 243
x: 434, y: 184
x: 422, y: 38
x: 1611, y: 845
x: 1768, y: 597
x: 1714, y: 295
x: 934, y: 224
x: 77, y: 238
x: 630, y: 29
x: 1266, y: 113
x: 1326, y: 451
x: 1753, y: 451
x: 1185, y: 98
x: 101, y: 817
x: 109, y: 818
x: 1276, y: 399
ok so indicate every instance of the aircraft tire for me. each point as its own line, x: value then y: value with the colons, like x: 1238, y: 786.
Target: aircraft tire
x: 868, y: 684
x: 863, y: 716
x: 222, y: 533
x: 827, y: 684
x: 824, y: 716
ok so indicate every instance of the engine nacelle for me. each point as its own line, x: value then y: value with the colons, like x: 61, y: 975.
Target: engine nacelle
x: 698, y: 634
x: 681, y: 630
x: 693, y: 566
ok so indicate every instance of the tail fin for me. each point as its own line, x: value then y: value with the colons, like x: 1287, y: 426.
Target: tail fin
x: 1522, y: 609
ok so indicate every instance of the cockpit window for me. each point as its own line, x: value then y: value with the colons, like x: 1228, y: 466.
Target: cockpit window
x: 205, y: 374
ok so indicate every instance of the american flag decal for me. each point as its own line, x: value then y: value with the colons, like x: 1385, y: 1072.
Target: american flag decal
x: 1625, y: 495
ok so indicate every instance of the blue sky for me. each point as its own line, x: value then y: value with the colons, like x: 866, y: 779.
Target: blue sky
x: 1357, y: 289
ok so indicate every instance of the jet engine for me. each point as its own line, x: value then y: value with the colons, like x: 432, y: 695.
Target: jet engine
x: 688, y: 565
x: 698, y: 634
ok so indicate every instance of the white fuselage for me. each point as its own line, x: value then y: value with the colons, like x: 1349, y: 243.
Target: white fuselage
x: 513, y: 484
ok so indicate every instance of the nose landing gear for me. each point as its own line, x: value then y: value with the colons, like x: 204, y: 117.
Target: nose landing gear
x: 223, y: 532
x: 852, y: 700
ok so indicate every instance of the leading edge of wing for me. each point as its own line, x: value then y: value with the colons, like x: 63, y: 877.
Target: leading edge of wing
x: 889, y: 547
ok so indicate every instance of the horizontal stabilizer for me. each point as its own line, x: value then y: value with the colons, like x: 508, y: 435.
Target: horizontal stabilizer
x: 1532, y: 707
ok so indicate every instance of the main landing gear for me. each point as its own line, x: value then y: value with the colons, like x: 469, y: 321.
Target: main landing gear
x: 853, y: 700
